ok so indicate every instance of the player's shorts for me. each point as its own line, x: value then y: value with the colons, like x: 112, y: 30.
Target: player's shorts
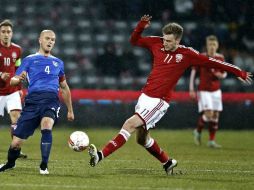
x: 210, y: 100
x: 10, y: 102
x: 150, y: 110
x: 37, y: 106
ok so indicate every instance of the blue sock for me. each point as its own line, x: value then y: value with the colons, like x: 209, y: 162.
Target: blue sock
x: 46, y: 142
x: 13, y: 154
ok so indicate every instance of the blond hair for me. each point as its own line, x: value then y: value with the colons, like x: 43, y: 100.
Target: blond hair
x: 173, y: 28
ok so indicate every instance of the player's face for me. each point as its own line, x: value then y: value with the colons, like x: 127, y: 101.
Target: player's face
x: 47, y: 41
x: 5, y: 35
x: 212, y: 47
x: 169, y: 42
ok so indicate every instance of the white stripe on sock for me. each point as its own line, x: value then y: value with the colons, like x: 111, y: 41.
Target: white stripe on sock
x: 125, y: 134
x: 149, y: 143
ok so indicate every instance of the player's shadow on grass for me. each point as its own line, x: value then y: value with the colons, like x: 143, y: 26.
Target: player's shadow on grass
x: 139, y: 172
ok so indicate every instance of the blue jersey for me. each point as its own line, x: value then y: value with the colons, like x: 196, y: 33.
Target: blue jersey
x: 42, y: 72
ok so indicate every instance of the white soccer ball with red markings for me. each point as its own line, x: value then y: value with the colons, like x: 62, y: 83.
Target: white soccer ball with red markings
x: 78, y: 141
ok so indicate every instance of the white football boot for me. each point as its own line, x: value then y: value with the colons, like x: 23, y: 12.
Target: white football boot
x: 94, y: 157
x: 168, y: 167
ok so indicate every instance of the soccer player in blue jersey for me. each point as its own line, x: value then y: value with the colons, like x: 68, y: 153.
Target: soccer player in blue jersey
x: 44, y: 73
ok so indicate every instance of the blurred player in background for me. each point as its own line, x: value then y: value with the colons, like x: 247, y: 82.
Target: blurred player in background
x: 209, y: 94
x: 170, y: 60
x: 10, y: 59
x: 45, y: 73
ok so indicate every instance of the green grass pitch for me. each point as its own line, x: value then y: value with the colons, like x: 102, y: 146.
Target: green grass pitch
x: 132, y: 168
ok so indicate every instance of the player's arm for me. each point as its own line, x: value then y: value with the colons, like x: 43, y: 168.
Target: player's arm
x: 17, y: 64
x: 204, y: 61
x: 18, y: 79
x: 66, y: 94
x: 21, y: 72
x: 191, y: 84
x: 136, y: 39
x: 219, y: 74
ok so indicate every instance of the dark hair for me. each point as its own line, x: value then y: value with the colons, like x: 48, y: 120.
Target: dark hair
x: 6, y: 22
x: 211, y: 38
x: 173, y: 28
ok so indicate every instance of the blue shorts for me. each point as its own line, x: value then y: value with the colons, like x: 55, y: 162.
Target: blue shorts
x: 37, y: 106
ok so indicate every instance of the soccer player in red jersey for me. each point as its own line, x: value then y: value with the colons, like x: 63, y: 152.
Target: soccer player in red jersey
x: 209, y: 94
x: 10, y: 59
x: 170, y: 60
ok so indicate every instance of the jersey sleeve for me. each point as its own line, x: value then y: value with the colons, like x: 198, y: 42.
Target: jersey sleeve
x: 198, y: 59
x: 61, y: 73
x: 23, y: 66
x: 137, y: 40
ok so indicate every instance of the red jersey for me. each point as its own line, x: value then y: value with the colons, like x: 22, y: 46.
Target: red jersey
x: 9, y: 61
x: 208, y: 81
x: 169, y: 66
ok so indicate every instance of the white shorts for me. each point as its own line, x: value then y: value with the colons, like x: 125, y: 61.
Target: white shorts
x: 150, y: 110
x: 10, y: 102
x: 209, y: 100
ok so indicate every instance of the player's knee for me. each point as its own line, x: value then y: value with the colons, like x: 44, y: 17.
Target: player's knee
x: 16, y: 143
x: 47, y: 123
x: 208, y: 115
x: 129, y: 125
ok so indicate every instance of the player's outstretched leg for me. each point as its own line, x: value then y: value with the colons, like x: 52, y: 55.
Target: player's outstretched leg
x: 116, y: 143
x: 13, y: 154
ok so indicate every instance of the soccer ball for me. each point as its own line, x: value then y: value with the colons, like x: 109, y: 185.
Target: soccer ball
x: 78, y: 141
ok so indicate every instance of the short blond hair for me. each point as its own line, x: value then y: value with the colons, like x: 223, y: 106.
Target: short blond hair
x: 173, y: 28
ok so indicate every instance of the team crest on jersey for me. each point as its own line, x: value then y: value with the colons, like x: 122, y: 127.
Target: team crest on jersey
x: 14, y: 56
x: 55, y: 63
x: 179, y: 57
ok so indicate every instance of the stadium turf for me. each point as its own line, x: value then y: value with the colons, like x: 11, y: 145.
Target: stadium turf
x: 132, y: 168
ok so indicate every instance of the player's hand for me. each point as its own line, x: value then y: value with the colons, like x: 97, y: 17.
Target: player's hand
x: 5, y: 76
x: 70, y: 116
x: 192, y: 94
x: 147, y: 18
x: 248, y: 79
x: 22, y: 76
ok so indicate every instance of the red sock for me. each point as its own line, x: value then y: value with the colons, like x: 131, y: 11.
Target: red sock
x: 201, y: 123
x: 213, y: 127
x: 153, y: 147
x: 116, y: 143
